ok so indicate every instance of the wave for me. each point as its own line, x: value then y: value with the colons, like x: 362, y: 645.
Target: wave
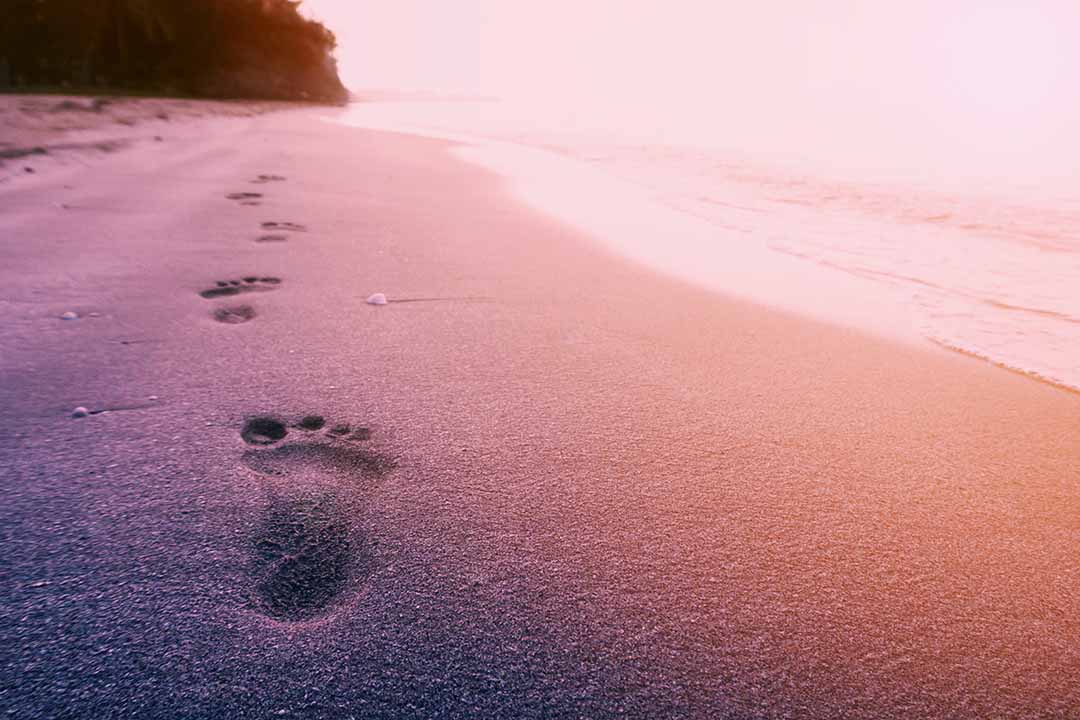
x: 988, y: 275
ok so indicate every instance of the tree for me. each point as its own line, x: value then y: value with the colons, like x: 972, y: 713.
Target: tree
x: 245, y: 48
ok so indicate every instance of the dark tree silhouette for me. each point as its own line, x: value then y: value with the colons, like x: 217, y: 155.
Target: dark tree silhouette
x: 217, y: 48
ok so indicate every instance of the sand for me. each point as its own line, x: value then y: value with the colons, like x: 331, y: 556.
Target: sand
x: 557, y: 484
x: 42, y: 131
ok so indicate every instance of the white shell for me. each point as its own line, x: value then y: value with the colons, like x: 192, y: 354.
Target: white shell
x: 80, y: 412
x: 377, y: 299
x: 69, y: 315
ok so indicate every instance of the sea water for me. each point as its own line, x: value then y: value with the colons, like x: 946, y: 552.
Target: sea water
x: 986, y: 267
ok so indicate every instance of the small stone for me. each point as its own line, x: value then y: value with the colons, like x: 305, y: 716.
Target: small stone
x: 95, y: 314
x: 80, y: 412
x: 377, y: 299
x: 152, y: 397
x: 69, y: 315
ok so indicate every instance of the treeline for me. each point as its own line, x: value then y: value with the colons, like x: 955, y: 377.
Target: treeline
x: 208, y: 48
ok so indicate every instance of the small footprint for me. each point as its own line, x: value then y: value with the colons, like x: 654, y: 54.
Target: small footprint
x: 263, y: 179
x: 225, y: 288
x: 288, y: 226
x: 234, y: 315
x: 244, y: 196
x: 306, y: 554
x: 271, y: 238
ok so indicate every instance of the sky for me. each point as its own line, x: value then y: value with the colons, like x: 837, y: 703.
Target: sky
x: 989, y: 81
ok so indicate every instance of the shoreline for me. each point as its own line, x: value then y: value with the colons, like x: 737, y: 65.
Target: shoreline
x: 602, y: 492
x: 753, y: 260
x: 1028, y: 374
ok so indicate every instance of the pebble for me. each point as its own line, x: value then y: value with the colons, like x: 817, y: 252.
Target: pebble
x: 69, y: 315
x: 80, y: 412
x: 377, y: 299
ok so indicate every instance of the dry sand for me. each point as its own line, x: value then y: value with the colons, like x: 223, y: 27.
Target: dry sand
x: 42, y: 130
x: 569, y: 487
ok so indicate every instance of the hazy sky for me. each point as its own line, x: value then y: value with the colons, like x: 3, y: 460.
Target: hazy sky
x: 997, y: 77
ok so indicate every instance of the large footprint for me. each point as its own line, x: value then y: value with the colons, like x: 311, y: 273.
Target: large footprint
x: 302, y: 557
x: 305, y: 552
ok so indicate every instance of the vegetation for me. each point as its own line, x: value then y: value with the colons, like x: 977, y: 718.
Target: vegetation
x: 211, y: 48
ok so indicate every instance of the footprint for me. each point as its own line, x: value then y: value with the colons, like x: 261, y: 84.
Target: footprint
x: 303, y: 558
x: 251, y: 283
x: 244, y: 196
x: 271, y: 238
x: 291, y: 227
x: 306, y: 554
x: 263, y: 179
x: 264, y: 430
x: 234, y: 315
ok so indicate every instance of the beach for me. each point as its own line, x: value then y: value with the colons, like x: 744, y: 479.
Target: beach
x: 542, y: 481
x: 39, y: 131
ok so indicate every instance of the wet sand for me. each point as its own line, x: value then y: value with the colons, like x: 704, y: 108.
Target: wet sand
x: 560, y: 486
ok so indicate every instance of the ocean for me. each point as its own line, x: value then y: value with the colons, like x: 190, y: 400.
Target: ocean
x: 976, y: 265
